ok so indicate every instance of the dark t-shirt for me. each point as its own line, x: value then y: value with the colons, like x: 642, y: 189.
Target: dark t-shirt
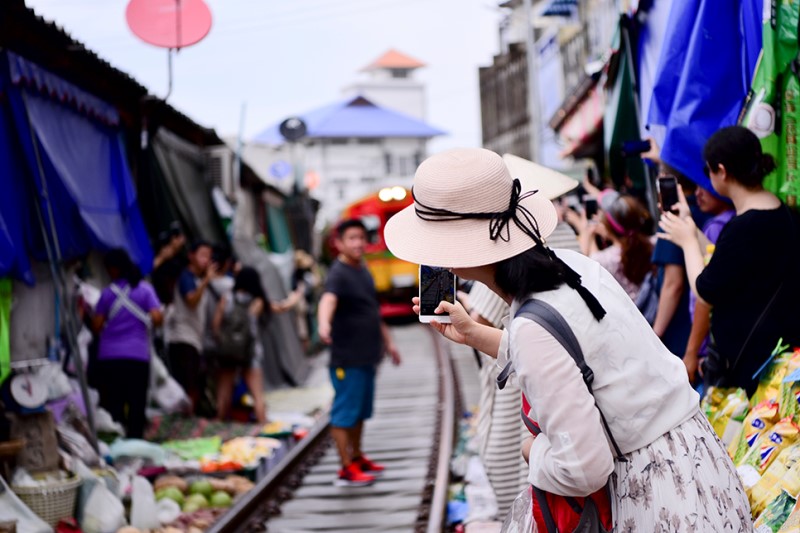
x: 676, y: 336
x: 677, y: 333
x: 756, y: 251
x: 356, y: 326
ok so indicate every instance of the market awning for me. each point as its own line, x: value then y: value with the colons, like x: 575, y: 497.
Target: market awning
x: 71, y: 145
x: 580, y: 117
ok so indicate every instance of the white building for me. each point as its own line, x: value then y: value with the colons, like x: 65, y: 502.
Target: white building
x: 372, y: 139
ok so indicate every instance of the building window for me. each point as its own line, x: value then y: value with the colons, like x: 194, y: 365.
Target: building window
x: 338, y: 141
x: 387, y: 161
x: 369, y: 180
x: 365, y: 140
x: 406, y: 164
x: 400, y: 73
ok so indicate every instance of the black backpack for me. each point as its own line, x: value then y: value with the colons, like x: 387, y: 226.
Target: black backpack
x: 236, y: 336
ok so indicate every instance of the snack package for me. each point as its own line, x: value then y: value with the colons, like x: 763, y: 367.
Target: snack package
x: 775, y: 514
x: 757, y: 422
x: 771, y: 443
x: 728, y: 418
x: 770, y: 381
x: 792, y: 524
x: 782, y: 474
x: 789, y: 395
x: 713, y: 398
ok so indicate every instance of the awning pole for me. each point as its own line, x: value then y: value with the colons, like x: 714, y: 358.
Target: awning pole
x: 533, y: 83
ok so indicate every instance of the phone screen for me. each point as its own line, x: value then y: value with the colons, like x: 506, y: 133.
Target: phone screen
x: 436, y: 284
x: 668, y: 192
x: 591, y: 207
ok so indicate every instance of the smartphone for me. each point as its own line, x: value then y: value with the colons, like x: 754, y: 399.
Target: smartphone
x: 436, y: 284
x: 668, y: 192
x: 590, y: 206
x: 634, y: 148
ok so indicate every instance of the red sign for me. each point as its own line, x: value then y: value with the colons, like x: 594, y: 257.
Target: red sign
x: 169, y: 23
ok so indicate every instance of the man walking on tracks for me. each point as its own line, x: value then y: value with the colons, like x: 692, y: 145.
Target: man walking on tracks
x: 350, y: 321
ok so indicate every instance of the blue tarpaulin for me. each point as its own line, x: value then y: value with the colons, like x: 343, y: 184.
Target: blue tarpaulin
x: 705, y: 70
x: 72, y: 150
x: 15, y: 208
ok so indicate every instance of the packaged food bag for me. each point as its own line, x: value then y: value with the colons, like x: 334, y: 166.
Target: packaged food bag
x: 775, y: 514
x: 713, y: 399
x: 782, y: 474
x: 772, y: 442
x: 756, y: 423
x: 728, y: 419
x: 770, y: 381
x: 792, y: 524
x: 789, y: 395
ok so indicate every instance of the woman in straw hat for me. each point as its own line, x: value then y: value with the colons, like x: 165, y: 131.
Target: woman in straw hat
x: 639, y: 430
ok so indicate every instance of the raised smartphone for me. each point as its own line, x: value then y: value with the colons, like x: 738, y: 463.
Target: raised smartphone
x: 590, y: 205
x: 436, y: 284
x: 668, y: 192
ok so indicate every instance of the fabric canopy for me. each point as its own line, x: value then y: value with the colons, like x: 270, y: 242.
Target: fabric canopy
x: 16, y: 210
x: 73, y: 149
x: 706, y: 66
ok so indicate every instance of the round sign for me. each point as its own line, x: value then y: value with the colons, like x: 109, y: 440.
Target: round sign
x: 28, y: 390
x: 280, y: 169
x: 293, y: 128
x: 169, y: 23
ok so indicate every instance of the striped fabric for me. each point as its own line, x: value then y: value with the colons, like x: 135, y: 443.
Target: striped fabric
x: 564, y: 237
x: 499, y: 431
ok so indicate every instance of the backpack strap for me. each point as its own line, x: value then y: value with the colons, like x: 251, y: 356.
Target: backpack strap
x: 554, y: 323
x: 124, y: 300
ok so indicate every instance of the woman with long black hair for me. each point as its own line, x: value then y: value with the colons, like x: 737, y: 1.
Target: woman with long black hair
x: 625, y: 425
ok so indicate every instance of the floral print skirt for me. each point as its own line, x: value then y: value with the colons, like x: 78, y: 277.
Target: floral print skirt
x: 683, y: 482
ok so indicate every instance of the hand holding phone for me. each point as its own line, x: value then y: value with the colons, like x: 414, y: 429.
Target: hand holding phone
x: 436, y: 284
x: 590, y: 207
x: 668, y: 193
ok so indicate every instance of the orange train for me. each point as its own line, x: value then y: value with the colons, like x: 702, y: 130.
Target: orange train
x: 395, y: 280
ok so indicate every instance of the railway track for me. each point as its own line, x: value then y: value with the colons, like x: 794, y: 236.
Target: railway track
x: 412, y: 432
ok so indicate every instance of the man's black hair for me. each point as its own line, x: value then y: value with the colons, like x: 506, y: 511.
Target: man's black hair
x: 349, y: 224
x: 199, y: 243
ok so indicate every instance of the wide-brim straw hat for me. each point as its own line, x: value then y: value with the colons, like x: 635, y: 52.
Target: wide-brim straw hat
x: 550, y: 183
x: 464, y: 180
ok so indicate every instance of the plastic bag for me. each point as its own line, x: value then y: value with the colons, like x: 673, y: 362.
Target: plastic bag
x: 520, y: 518
x: 144, y: 511
x: 13, y: 509
x: 103, y: 512
x: 164, y: 391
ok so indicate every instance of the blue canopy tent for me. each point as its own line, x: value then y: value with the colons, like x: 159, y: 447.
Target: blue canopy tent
x: 706, y: 66
x: 354, y: 117
x: 72, y: 147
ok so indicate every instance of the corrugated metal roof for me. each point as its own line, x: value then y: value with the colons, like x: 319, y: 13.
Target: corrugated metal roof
x: 355, y: 117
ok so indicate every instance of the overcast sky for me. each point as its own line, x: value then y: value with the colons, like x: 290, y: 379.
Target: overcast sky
x: 288, y: 57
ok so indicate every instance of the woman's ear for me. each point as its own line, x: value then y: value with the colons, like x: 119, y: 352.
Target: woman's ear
x: 723, y: 173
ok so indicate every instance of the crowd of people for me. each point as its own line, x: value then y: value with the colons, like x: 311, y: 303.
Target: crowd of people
x: 202, y: 312
x: 614, y: 419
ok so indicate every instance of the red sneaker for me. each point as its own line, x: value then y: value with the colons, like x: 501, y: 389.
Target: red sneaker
x: 352, y: 476
x: 368, y: 466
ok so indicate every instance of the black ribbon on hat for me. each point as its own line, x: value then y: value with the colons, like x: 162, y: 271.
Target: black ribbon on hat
x: 500, y: 228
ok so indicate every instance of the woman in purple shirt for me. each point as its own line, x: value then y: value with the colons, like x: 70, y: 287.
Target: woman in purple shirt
x: 123, y: 317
